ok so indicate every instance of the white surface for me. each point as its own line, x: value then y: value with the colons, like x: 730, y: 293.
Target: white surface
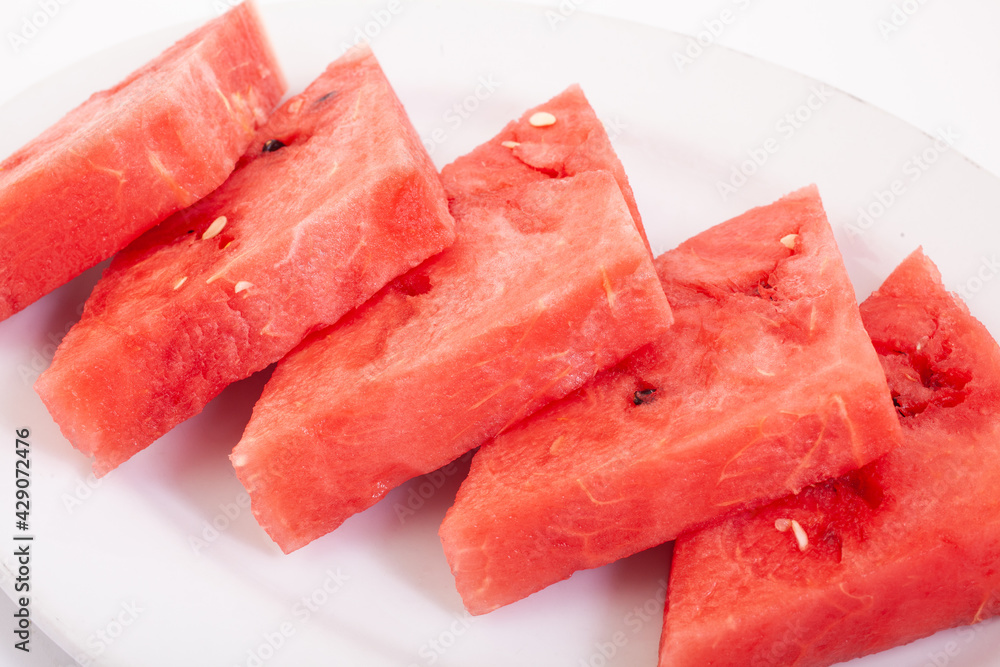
x: 941, y: 67
x: 681, y: 132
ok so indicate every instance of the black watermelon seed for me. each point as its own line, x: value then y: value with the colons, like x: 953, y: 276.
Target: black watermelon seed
x: 272, y: 145
x: 332, y: 93
x: 644, y: 396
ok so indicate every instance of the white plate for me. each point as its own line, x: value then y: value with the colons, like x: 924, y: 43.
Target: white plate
x: 117, y: 576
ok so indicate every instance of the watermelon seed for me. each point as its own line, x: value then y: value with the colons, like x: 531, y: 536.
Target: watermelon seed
x: 789, y: 241
x: 510, y: 144
x: 782, y: 525
x: 272, y: 145
x: 332, y: 93
x: 215, y: 228
x: 800, y: 535
x: 180, y: 282
x: 542, y: 119
x: 241, y: 286
x: 643, y: 396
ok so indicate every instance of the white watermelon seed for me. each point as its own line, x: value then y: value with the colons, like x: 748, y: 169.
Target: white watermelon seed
x: 800, y: 535
x: 215, y: 228
x: 542, y: 119
x: 242, y: 285
x: 782, y: 525
x: 177, y: 285
x: 510, y: 144
x: 789, y: 241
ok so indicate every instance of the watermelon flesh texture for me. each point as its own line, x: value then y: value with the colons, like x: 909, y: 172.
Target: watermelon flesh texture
x: 548, y: 282
x: 525, y: 153
x: 130, y: 156
x: 298, y: 236
x: 904, y: 547
x: 765, y: 384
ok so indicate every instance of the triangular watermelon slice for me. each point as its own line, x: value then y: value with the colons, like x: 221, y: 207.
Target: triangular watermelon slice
x: 548, y: 282
x: 130, y: 156
x: 766, y: 383
x: 908, y: 545
x: 335, y: 197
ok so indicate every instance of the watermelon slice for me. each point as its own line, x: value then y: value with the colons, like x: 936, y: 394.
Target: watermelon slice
x: 548, y: 282
x: 908, y: 545
x: 335, y: 197
x: 766, y: 383
x: 130, y: 156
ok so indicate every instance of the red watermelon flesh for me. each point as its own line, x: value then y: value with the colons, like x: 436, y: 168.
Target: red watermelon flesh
x: 766, y: 383
x: 548, y: 282
x: 526, y: 152
x: 908, y: 545
x: 301, y: 233
x: 130, y: 156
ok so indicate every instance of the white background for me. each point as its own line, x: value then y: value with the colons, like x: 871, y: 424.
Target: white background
x: 934, y: 64
x: 940, y: 67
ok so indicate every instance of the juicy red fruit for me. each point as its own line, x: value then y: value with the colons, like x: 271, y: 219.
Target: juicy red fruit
x: 548, y: 282
x: 298, y: 236
x: 130, y: 156
x: 903, y: 547
x: 765, y: 383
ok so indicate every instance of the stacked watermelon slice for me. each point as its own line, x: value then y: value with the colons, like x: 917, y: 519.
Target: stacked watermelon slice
x: 477, y: 338
x: 901, y: 548
x: 130, y: 156
x: 734, y: 405
x: 726, y: 394
x: 326, y: 206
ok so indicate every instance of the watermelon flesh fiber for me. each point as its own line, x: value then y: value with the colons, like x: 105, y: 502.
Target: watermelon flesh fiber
x: 766, y: 383
x: 907, y: 546
x: 311, y: 230
x: 130, y: 156
x: 577, y: 143
x: 548, y: 282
